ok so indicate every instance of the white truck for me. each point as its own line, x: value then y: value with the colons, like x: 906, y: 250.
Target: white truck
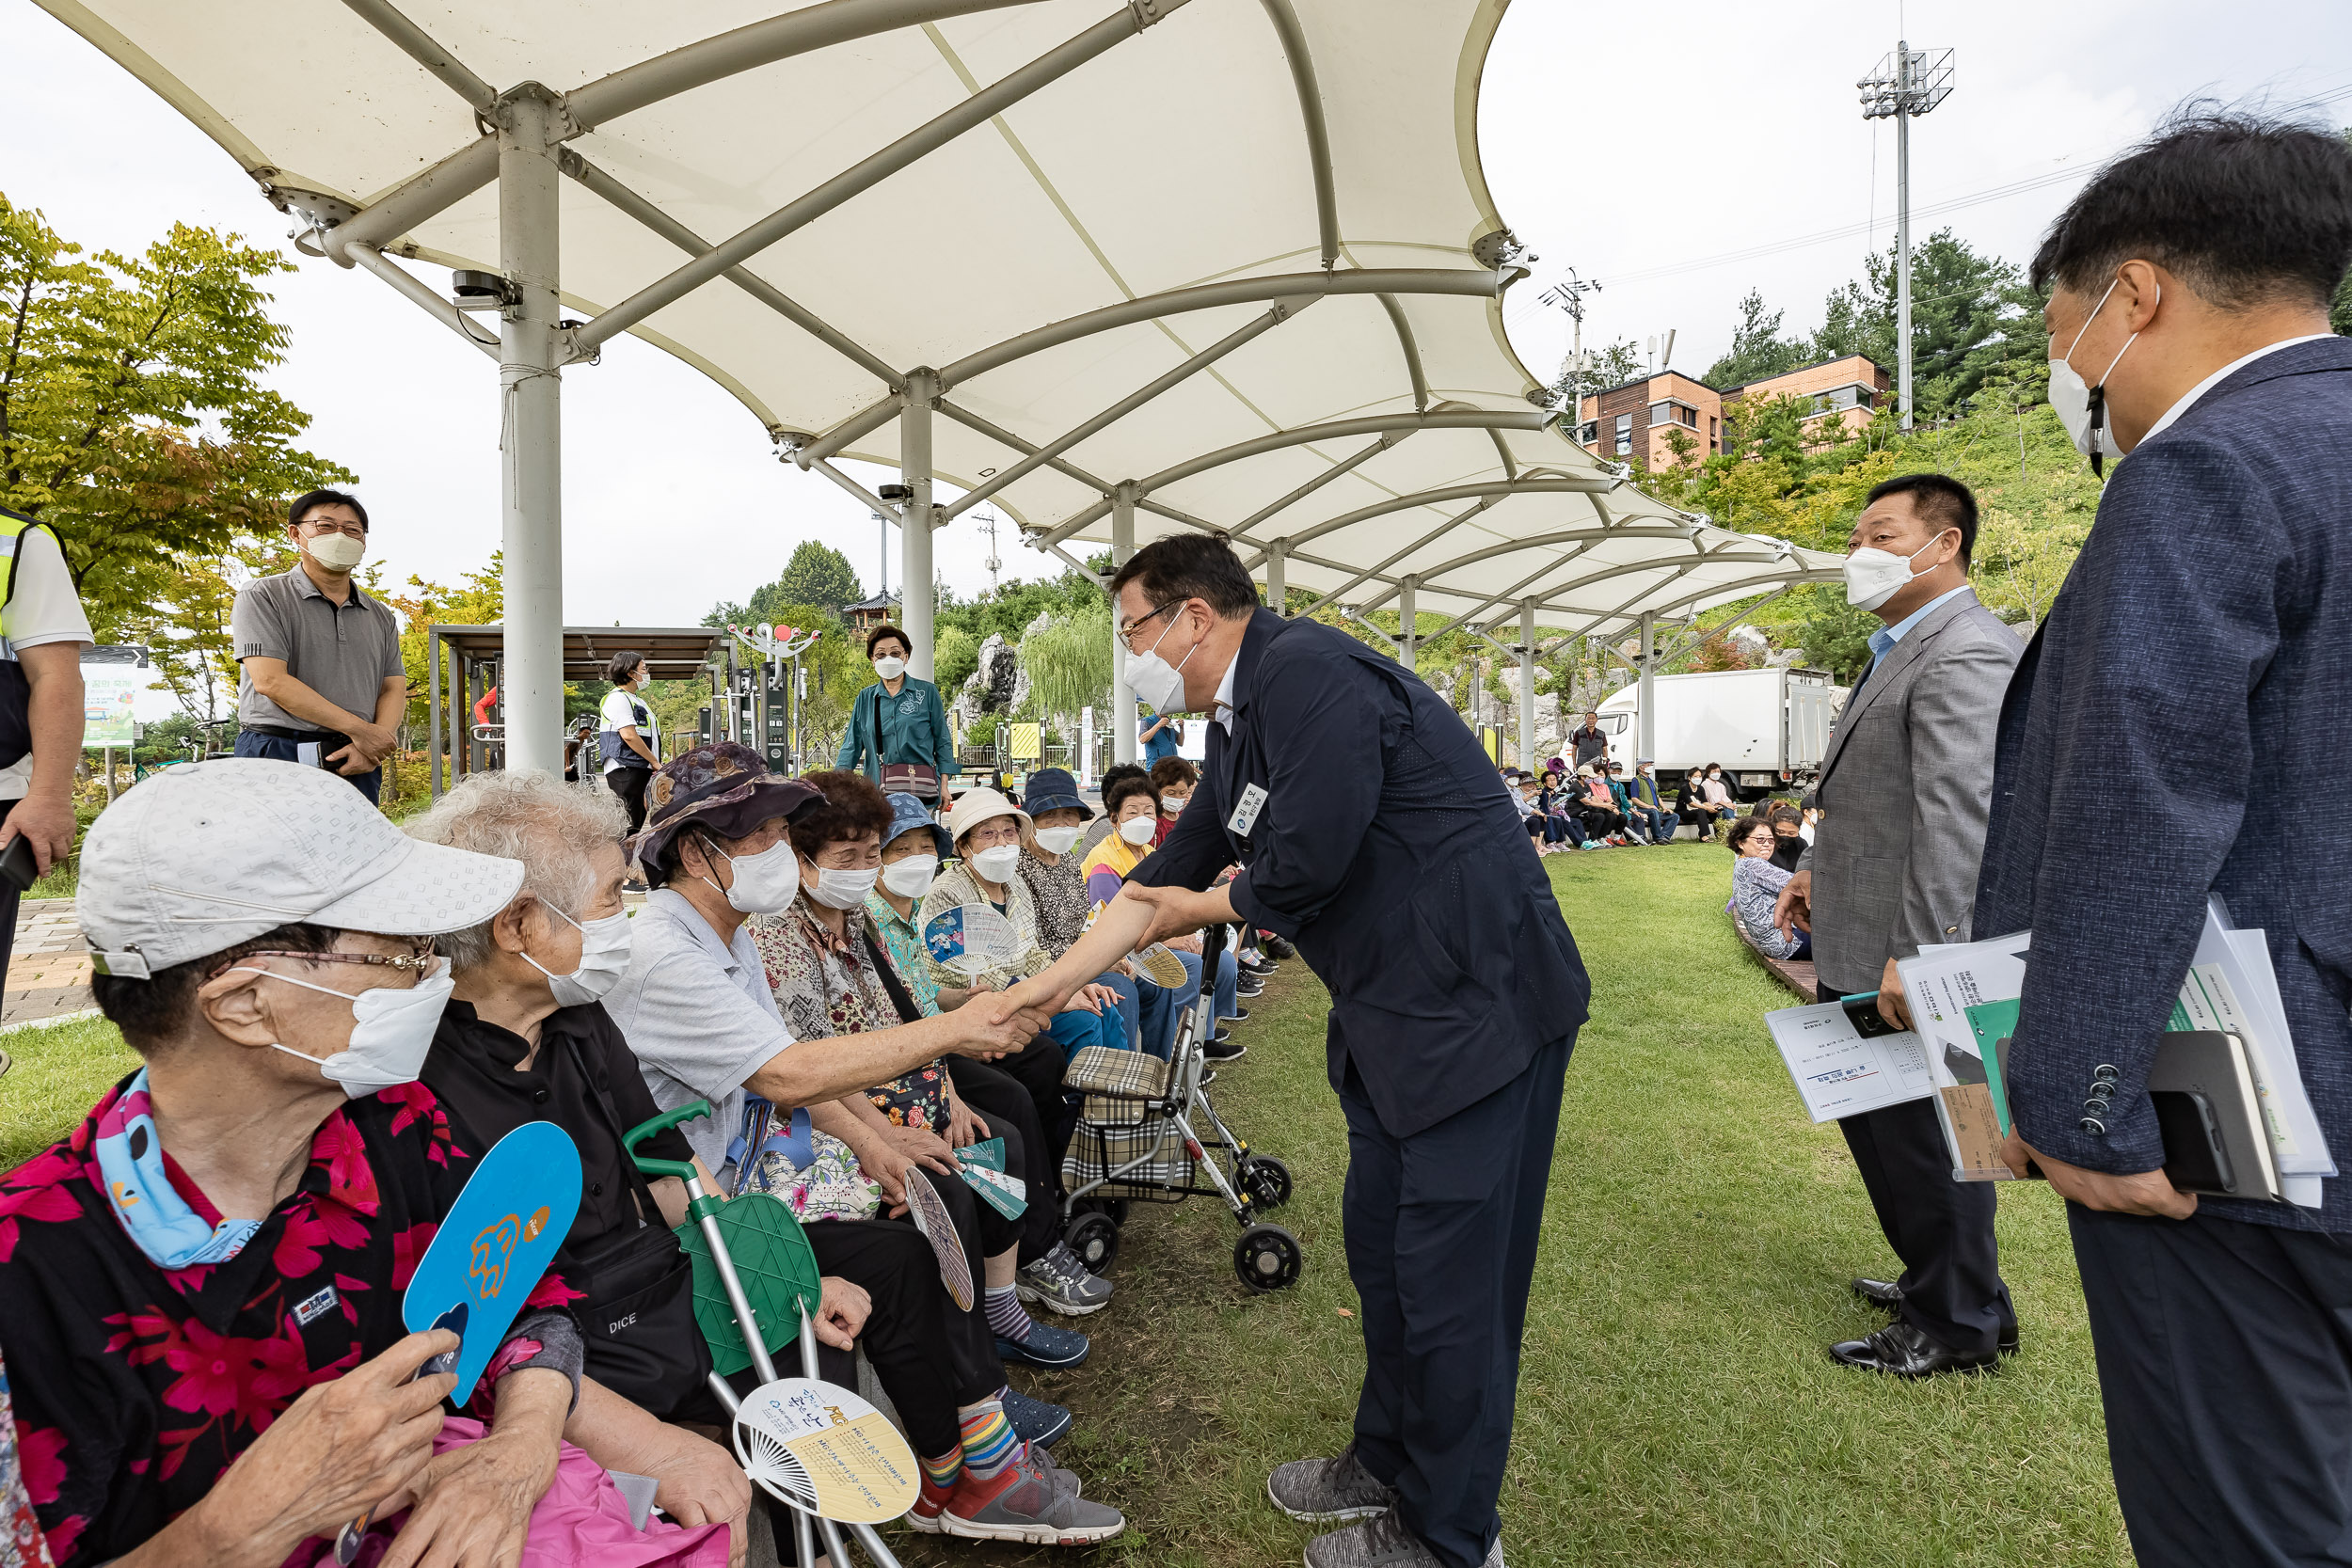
x: 1769, y: 728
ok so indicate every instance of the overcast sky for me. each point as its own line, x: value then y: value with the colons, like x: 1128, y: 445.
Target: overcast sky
x: 1618, y: 138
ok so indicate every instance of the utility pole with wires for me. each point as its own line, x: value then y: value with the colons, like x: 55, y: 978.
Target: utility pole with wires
x: 1907, y: 84
x: 1569, y: 296
x: 988, y: 521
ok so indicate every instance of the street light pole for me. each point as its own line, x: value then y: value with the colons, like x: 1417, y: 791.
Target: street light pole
x: 1907, y: 84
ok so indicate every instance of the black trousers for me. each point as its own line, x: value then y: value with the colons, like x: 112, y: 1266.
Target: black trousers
x: 930, y: 1356
x: 1441, y: 1230
x: 629, y: 784
x: 2225, y: 1366
x: 1038, y: 1068
x: 1941, y: 1228
x: 1010, y: 1112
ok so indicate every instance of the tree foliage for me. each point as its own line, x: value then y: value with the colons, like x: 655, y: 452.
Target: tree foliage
x: 955, y: 653
x: 133, y: 414
x: 817, y: 578
x: 1069, y: 660
x: 1758, y: 348
x: 1970, y: 314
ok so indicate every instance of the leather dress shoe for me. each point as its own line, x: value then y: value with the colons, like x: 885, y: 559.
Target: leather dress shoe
x: 1887, y: 1296
x: 1905, y: 1352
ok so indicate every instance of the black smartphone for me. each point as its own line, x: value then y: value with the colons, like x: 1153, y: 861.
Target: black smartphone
x: 2195, y: 1158
x: 18, y: 864
x: 1863, y: 1013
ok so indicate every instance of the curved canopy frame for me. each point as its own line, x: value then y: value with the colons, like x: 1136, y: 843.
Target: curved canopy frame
x: 1116, y: 267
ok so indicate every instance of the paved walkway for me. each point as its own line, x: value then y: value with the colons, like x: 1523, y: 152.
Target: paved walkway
x: 49, y: 968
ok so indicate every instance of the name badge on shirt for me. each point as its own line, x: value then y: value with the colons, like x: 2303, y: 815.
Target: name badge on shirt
x: 1246, y: 814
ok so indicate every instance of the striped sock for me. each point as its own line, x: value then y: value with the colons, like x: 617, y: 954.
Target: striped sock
x: 989, y: 1443
x: 942, y: 1472
x: 1006, y: 1314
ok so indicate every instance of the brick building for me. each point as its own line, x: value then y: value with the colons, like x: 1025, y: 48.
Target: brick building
x: 1848, y: 390
x: 1635, y: 416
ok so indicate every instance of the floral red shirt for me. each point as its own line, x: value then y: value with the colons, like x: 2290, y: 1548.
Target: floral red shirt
x: 135, y: 1386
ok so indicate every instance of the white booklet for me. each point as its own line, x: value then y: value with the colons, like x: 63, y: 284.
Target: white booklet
x: 1846, y: 1059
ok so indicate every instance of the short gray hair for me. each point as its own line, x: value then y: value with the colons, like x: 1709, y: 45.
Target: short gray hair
x: 532, y: 816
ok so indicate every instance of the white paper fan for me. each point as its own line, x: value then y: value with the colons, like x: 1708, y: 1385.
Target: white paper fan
x: 971, y: 938
x: 820, y: 1447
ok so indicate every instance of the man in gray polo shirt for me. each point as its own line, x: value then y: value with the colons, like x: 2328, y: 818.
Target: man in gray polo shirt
x: 318, y: 660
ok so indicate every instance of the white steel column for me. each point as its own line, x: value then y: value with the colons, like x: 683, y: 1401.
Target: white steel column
x: 1527, y: 684
x: 1123, y: 718
x: 1646, y: 727
x: 1408, y: 645
x: 531, y: 432
x: 1278, y: 561
x: 915, y: 535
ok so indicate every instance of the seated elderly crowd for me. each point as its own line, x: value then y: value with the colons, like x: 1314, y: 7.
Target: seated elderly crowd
x: 200, y: 1288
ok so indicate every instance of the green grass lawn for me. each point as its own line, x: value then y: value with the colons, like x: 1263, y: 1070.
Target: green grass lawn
x: 1675, y: 1406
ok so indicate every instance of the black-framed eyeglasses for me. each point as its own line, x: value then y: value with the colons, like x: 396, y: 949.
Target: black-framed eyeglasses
x: 1127, y: 632
x: 319, y: 528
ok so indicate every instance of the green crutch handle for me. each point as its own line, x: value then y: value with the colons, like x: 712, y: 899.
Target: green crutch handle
x: 663, y: 1123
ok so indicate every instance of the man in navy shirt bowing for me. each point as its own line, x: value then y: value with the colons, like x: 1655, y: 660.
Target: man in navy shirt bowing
x: 1372, y: 831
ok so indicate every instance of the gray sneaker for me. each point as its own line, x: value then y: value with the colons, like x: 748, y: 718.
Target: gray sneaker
x: 1059, y: 1280
x: 1326, y: 1491
x: 1382, y: 1542
x: 1032, y: 1502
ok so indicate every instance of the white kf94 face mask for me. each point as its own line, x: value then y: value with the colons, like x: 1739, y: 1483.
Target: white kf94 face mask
x: 338, y: 550
x: 890, y: 669
x: 603, y: 959
x: 1139, y: 831
x: 1156, y: 681
x: 912, y: 877
x: 764, y: 883
x: 1874, y: 575
x: 996, y: 866
x: 391, y: 1038
x: 842, y: 890
x: 1059, y: 841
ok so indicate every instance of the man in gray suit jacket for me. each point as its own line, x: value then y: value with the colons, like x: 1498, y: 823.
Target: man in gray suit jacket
x: 1903, y: 794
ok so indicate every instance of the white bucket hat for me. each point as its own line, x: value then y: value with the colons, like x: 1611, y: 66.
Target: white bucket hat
x: 976, y: 806
x: 205, y: 855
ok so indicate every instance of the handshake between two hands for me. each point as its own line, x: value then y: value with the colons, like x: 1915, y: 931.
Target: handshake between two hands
x: 997, y: 1022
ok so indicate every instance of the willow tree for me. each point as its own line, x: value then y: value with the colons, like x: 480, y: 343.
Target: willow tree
x: 1069, y: 661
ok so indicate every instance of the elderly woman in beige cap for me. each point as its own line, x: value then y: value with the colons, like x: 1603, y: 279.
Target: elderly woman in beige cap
x: 987, y: 831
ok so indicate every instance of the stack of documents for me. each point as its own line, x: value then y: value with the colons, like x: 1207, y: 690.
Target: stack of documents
x: 1846, y: 1059
x: 1964, y: 999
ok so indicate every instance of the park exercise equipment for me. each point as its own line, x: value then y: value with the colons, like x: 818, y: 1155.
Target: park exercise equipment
x: 1115, y: 268
x: 824, y: 1451
x: 1142, y: 1135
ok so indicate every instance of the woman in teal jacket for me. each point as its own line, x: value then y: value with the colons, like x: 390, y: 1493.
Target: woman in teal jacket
x: 898, y: 718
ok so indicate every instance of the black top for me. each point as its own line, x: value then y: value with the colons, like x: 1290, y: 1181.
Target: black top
x: 1384, y: 845
x: 1787, y: 852
x: 584, y: 1080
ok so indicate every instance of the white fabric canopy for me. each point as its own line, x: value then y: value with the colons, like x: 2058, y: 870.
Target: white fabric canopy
x: 1273, y: 207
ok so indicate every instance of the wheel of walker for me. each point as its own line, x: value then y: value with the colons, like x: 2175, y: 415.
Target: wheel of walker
x: 1094, y: 1239
x: 1267, y: 1258
x: 1116, y: 1208
x: 1267, y: 1179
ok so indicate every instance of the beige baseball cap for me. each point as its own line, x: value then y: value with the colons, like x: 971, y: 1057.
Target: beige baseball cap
x: 204, y: 855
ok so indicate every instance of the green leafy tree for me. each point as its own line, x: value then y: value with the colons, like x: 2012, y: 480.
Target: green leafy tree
x: 1970, y: 314
x: 816, y: 575
x: 134, y: 415
x: 955, y: 653
x: 1069, y: 661
x: 1758, y: 348
x: 1613, y: 366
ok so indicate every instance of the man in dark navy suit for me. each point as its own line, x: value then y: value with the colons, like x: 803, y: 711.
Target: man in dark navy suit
x: 2189, y: 285
x: 1372, y: 832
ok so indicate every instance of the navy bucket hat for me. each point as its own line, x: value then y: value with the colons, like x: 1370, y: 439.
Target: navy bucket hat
x: 1054, y: 789
x: 907, y: 814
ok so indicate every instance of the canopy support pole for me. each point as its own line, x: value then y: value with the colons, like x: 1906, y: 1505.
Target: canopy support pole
x: 1123, y: 717
x: 1282, y: 311
x: 871, y: 172
x: 432, y: 706
x: 1278, y: 562
x: 915, y: 577
x: 1527, y: 684
x: 1645, y: 731
x: 531, y: 430
x: 1408, y: 642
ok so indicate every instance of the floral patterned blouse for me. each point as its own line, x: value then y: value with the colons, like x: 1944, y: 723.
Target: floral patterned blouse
x: 829, y: 985
x: 1059, y: 894
x: 137, y: 1387
x: 906, y: 950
